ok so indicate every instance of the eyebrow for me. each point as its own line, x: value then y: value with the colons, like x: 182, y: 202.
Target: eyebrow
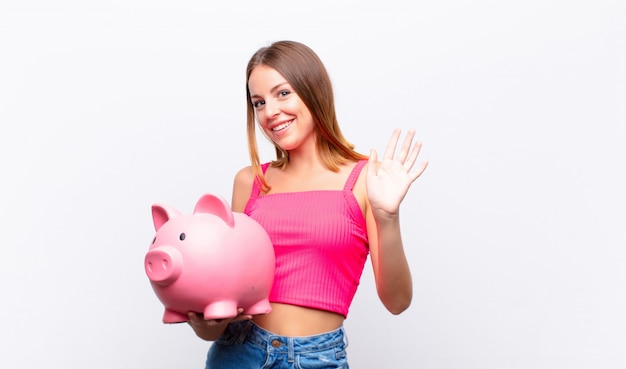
x: 274, y: 88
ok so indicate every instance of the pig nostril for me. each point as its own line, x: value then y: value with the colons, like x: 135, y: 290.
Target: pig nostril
x: 164, y: 264
x: 150, y: 266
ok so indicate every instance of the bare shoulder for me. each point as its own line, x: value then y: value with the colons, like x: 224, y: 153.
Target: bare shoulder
x: 242, y: 187
x: 244, y: 176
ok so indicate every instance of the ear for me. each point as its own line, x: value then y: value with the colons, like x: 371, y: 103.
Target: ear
x: 162, y: 213
x: 216, y: 205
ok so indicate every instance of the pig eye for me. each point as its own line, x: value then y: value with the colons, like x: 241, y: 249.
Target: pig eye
x: 154, y: 240
x: 182, y: 237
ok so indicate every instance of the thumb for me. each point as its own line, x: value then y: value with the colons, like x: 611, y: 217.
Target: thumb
x: 372, y: 167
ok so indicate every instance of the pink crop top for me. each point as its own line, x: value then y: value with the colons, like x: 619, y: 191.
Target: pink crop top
x: 320, y: 242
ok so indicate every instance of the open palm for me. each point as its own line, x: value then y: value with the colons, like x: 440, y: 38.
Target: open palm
x: 388, y: 180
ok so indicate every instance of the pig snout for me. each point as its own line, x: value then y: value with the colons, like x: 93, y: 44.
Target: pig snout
x: 163, y: 265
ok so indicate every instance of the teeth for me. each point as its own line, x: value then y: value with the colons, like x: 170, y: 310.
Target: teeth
x: 281, y: 126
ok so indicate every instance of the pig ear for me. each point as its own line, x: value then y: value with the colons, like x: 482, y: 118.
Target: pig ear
x: 162, y: 213
x: 216, y: 205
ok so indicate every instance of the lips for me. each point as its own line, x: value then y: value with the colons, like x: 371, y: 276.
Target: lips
x: 281, y: 126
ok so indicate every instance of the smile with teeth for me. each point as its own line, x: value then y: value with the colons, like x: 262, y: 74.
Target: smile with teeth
x: 282, y: 126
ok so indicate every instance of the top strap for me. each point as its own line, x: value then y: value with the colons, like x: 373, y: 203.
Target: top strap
x: 354, y: 175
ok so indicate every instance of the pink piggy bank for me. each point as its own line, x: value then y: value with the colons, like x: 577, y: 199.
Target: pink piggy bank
x: 213, y: 261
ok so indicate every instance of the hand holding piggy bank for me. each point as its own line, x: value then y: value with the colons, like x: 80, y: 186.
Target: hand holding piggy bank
x: 213, y: 261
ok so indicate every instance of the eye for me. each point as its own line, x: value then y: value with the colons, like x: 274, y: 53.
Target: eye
x: 283, y: 93
x: 182, y: 237
x: 258, y: 104
x: 154, y: 240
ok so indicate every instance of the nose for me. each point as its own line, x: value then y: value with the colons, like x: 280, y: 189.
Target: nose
x: 163, y: 265
x: 272, y: 108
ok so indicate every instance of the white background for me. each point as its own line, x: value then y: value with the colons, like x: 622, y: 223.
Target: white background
x: 516, y: 234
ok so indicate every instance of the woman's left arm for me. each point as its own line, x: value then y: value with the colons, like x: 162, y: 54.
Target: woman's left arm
x: 387, y: 182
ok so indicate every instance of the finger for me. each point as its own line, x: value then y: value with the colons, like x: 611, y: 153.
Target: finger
x: 415, y: 175
x: 408, y: 164
x: 190, y: 318
x: 372, y: 163
x: 243, y: 317
x: 193, y: 317
x: 391, y: 145
x: 406, y: 146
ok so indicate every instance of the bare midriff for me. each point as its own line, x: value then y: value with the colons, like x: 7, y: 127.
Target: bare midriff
x: 294, y: 321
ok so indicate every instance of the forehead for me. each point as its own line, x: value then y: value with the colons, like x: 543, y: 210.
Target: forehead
x: 263, y: 79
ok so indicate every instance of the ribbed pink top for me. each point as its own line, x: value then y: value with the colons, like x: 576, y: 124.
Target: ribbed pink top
x: 320, y: 242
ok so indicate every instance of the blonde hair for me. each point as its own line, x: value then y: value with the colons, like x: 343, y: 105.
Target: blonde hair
x: 306, y: 74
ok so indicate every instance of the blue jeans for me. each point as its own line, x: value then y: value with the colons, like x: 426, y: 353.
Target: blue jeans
x: 245, y: 345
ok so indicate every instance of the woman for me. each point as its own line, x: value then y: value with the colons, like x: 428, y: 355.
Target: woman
x: 325, y: 206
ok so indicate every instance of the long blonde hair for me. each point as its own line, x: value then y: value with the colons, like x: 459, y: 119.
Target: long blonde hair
x: 306, y: 74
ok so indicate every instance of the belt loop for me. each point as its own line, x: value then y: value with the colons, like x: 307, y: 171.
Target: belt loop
x: 290, y: 350
x: 244, y: 332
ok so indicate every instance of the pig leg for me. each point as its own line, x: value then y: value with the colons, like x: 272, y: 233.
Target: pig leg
x: 220, y: 310
x: 171, y: 316
x: 261, y: 307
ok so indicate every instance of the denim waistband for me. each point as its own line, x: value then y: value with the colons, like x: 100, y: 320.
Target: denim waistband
x: 301, y: 344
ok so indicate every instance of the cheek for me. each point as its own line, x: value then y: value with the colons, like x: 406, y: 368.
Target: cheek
x: 263, y: 127
x: 306, y: 117
x: 260, y: 120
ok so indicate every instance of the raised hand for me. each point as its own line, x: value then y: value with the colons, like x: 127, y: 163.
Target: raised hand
x: 388, y: 180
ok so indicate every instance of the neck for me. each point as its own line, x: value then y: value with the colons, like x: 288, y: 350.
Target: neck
x: 309, y: 163
x: 305, y: 158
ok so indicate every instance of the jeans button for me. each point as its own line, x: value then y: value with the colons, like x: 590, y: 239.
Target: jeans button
x: 276, y: 343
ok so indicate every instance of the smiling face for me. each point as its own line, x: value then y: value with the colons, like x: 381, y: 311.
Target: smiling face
x: 279, y: 111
